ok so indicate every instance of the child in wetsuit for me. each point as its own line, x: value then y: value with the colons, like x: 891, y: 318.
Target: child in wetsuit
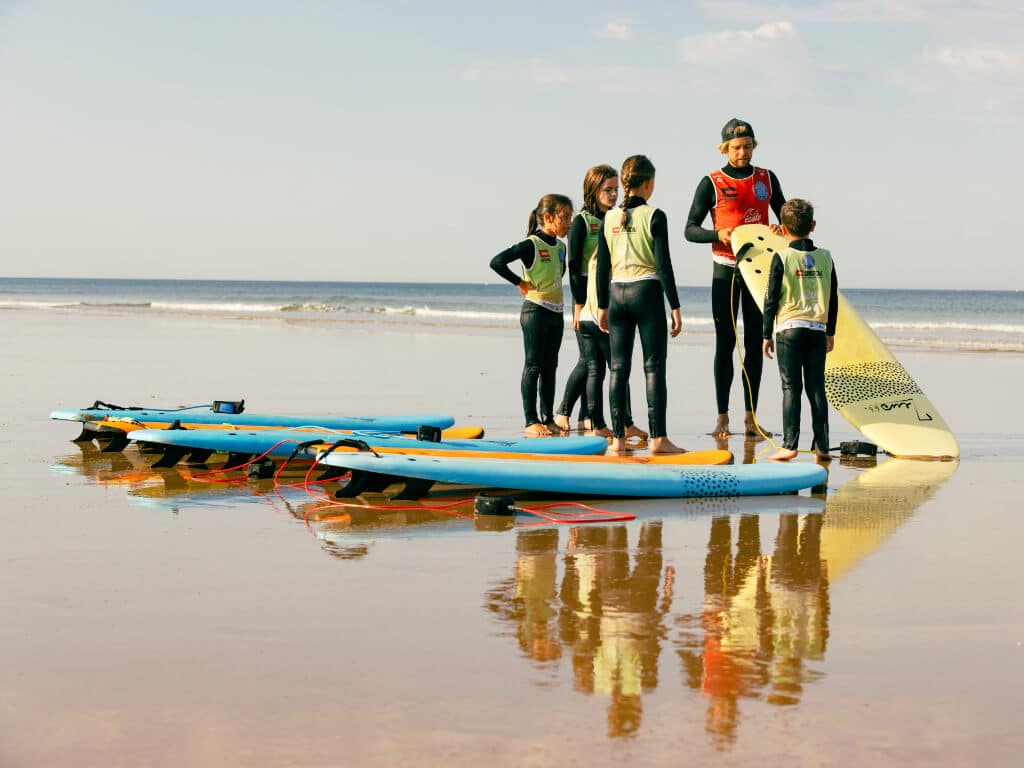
x: 801, y: 304
x: 634, y: 279
x: 543, y: 258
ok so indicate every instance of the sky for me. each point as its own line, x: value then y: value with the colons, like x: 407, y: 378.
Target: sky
x: 408, y: 141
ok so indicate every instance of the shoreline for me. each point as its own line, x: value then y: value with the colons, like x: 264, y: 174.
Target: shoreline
x: 410, y: 321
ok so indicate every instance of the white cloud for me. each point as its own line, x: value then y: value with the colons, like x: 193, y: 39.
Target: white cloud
x: 978, y: 61
x: 710, y: 45
x: 987, y: 79
x: 615, y: 30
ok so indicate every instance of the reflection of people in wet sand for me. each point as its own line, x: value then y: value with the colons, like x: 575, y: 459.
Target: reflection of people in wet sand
x: 608, y: 609
x: 762, y: 617
x: 528, y: 601
x: 612, y: 616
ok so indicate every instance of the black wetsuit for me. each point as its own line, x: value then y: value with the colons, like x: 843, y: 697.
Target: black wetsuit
x: 800, y: 353
x: 576, y: 385
x: 542, y: 335
x: 724, y: 313
x: 638, y: 306
x: 593, y: 342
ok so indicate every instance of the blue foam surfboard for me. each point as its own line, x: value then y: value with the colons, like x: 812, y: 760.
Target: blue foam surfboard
x: 204, y: 414
x: 596, y: 479
x: 281, y: 442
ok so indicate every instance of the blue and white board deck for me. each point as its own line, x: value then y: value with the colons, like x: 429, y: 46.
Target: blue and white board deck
x: 204, y: 414
x: 282, y: 442
x: 597, y: 479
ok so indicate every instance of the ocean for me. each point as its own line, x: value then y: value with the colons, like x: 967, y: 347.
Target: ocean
x: 981, y: 321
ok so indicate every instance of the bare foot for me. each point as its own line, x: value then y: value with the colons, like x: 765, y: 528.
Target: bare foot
x: 556, y: 431
x: 538, y: 430
x: 751, y: 428
x: 618, y: 447
x: 562, y: 422
x: 822, y: 455
x: 783, y: 454
x: 601, y: 432
x: 662, y: 446
x: 721, y: 426
x: 586, y: 424
x: 634, y: 431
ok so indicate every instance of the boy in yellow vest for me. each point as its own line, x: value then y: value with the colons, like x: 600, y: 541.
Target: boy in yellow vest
x: 800, y: 305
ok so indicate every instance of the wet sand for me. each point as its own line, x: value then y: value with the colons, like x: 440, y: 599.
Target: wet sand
x: 154, y: 619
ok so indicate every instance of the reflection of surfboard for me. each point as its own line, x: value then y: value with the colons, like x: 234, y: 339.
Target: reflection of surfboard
x: 864, y: 512
x: 863, y: 380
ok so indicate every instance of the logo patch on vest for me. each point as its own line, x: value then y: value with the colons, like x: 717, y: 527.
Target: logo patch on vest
x: 760, y: 190
x: 544, y: 255
x: 752, y: 216
x: 808, y: 260
x: 595, y: 227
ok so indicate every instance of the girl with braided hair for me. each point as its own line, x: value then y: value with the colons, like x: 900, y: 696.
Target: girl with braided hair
x: 600, y: 193
x: 543, y: 263
x: 634, y: 270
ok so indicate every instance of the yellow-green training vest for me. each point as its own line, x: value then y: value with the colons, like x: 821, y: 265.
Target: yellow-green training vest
x: 546, y: 274
x: 595, y: 227
x: 806, y: 286
x: 589, y: 249
x: 631, y: 246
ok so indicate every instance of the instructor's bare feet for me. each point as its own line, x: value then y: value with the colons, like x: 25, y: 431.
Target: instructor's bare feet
x: 783, y: 454
x: 634, y: 431
x: 601, y: 432
x: 538, y: 430
x: 562, y: 422
x: 662, y: 446
x: 721, y: 426
x: 586, y: 424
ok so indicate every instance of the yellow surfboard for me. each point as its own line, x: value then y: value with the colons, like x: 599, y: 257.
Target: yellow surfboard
x: 863, y: 380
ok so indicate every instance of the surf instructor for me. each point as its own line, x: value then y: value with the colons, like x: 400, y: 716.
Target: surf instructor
x: 735, y: 194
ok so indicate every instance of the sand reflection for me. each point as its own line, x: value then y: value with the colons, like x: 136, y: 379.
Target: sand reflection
x: 599, y: 604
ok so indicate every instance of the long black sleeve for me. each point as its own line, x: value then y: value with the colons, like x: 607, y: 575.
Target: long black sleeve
x: 778, y: 199
x: 524, y: 252
x: 577, y: 269
x: 833, y: 305
x: 521, y: 251
x: 703, y: 202
x: 662, y: 258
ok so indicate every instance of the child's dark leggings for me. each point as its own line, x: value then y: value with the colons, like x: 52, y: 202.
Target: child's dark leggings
x: 542, y: 337
x: 724, y: 316
x: 576, y: 385
x: 801, y: 356
x: 598, y: 355
x: 634, y: 307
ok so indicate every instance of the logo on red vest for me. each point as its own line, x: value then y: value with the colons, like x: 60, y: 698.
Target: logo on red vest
x: 752, y: 216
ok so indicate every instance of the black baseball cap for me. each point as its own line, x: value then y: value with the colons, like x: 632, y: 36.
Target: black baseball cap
x: 737, y: 128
